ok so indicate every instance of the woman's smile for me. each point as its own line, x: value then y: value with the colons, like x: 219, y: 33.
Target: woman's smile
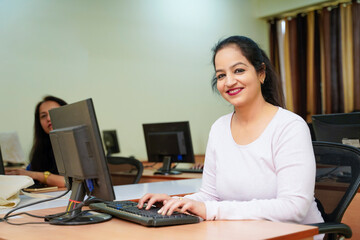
x: 234, y: 91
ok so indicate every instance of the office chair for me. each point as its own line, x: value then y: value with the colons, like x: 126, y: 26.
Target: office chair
x: 337, y: 182
x: 125, y: 170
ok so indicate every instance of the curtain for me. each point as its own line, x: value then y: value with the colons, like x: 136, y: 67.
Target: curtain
x: 317, y: 99
x: 288, y: 77
x: 356, y: 52
x: 336, y: 64
x: 347, y: 56
x: 274, y: 46
x: 302, y: 65
x: 280, y: 27
x: 318, y: 54
x: 326, y: 50
x: 310, y: 73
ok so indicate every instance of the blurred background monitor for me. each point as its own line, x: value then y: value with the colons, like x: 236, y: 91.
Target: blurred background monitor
x: 80, y: 157
x: 339, y: 128
x: 12, y: 152
x: 111, y: 142
x: 167, y: 143
x: 2, y: 168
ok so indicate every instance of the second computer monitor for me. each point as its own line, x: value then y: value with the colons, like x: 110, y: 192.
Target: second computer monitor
x: 340, y: 128
x: 2, y: 168
x: 168, y: 142
x: 111, y: 142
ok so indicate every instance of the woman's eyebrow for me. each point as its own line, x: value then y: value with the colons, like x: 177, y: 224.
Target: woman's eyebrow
x: 234, y: 65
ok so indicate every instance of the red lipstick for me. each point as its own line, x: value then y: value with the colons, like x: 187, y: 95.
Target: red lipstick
x: 234, y: 91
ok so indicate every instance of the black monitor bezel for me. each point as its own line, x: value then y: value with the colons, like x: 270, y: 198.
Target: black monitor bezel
x: 183, y: 126
x: 114, y: 148
x: 336, y: 127
x: 2, y: 167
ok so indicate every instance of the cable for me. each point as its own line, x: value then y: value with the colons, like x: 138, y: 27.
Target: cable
x: 47, y: 218
x: 7, y: 215
x: 79, y: 206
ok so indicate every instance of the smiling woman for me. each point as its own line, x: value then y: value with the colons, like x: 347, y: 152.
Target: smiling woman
x: 252, y: 58
x: 259, y: 161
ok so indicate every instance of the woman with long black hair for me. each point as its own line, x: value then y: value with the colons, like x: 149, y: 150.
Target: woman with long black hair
x: 42, y: 167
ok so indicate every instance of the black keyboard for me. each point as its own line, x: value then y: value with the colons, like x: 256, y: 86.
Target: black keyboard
x: 128, y: 210
x: 189, y: 170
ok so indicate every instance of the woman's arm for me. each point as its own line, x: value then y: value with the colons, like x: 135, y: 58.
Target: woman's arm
x: 51, y: 180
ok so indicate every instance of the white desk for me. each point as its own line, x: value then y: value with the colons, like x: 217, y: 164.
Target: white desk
x: 119, y: 229
x: 122, y: 192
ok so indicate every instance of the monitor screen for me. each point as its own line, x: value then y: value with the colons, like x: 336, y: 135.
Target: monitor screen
x: 111, y: 142
x: 79, y: 156
x: 339, y: 128
x: 168, y: 142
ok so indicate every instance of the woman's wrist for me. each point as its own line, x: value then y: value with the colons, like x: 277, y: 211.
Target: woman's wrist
x: 39, y: 176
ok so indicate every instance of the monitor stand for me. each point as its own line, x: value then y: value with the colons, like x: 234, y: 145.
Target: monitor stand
x: 166, y: 169
x: 78, y: 217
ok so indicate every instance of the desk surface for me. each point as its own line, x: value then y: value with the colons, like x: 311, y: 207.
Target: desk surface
x: 119, y: 229
x: 122, y: 192
x: 116, y: 228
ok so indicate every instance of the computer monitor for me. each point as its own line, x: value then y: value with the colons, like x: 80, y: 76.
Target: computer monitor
x: 339, y: 128
x: 2, y: 168
x: 80, y: 157
x: 111, y: 142
x: 168, y: 142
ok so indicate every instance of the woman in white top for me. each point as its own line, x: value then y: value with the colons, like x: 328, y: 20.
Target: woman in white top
x: 259, y: 161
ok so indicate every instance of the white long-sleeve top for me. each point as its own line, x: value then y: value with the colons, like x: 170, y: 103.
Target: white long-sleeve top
x: 271, y: 178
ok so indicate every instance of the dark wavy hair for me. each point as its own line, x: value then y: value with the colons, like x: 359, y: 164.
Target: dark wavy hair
x: 271, y: 89
x: 41, y: 155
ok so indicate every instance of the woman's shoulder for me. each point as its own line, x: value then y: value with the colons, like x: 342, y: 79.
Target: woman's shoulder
x: 223, y: 121
x: 288, y: 121
x: 220, y: 128
x: 285, y: 115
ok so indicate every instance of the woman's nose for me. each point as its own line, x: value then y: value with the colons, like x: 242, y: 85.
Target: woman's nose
x: 230, y: 81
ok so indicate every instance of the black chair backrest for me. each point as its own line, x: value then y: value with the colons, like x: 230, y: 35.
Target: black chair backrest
x: 125, y: 170
x: 337, y: 178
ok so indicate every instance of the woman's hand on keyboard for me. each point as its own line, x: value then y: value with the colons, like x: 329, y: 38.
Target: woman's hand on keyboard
x: 152, y: 199
x: 183, y: 205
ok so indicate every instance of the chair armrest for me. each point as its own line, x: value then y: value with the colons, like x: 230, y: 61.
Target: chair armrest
x: 329, y: 227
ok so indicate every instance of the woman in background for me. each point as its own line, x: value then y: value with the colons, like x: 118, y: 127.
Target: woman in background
x: 259, y: 161
x: 42, y: 167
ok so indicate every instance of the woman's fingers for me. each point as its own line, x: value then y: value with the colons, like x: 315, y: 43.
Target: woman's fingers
x: 151, y: 199
x: 172, y: 205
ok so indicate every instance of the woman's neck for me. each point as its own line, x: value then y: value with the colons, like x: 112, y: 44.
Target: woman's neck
x: 250, y: 113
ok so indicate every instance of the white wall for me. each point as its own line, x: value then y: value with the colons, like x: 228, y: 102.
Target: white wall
x: 141, y: 61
